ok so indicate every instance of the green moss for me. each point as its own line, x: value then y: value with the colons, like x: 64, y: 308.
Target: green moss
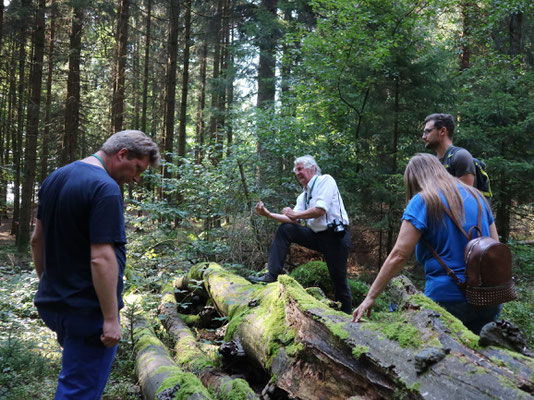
x: 236, y: 389
x: 396, y: 327
x: 454, y: 324
x: 306, y: 302
x: 358, y: 351
x: 187, y: 382
x: 415, y: 387
x: 144, y: 337
x: 189, y: 319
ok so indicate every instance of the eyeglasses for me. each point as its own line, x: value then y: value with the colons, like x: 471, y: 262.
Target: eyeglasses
x: 427, y: 131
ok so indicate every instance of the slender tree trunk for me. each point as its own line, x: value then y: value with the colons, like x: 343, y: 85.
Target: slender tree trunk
x: 170, y: 83
x: 267, y: 62
x: 117, y: 108
x: 185, y: 81
x: 216, y: 87
x: 17, y: 139
x: 136, y: 75
x: 48, y: 104
x: 4, y: 144
x: 72, y: 104
x: 200, y: 127
x: 516, y: 32
x: 266, y: 71
x: 468, y: 9
x: 146, y: 65
x: 230, y: 77
x: 1, y: 22
x: 32, y: 129
x: 9, y: 133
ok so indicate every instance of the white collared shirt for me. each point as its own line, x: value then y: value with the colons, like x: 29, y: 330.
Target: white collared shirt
x: 323, y: 193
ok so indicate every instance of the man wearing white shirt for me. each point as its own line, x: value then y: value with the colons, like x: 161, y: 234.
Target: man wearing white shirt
x: 321, y: 205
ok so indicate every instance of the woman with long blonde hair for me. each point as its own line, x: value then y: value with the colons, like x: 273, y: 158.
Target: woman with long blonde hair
x: 429, y: 190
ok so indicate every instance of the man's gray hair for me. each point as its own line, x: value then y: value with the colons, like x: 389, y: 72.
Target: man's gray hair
x: 308, y: 162
x: 137, y: 143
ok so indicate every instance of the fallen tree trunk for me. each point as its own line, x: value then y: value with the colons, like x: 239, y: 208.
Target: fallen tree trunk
x: 159, y: 376
x: 314, y: 352
x: 189, y: 354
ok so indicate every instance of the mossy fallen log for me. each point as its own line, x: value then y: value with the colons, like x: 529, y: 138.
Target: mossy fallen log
x: 314, y: 352
x: 159, y: 376
x: 190, y: 355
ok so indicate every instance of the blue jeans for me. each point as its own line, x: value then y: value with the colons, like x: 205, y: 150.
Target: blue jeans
x: 473, y: 317
x: 86, y: 362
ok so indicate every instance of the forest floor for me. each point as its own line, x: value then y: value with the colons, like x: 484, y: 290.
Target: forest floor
x: 30, y: 356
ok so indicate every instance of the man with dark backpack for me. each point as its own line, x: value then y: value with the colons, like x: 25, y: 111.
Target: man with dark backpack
x: 437, y: 134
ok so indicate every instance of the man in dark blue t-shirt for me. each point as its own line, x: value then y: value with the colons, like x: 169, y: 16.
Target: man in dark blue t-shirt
x: 78, y: 248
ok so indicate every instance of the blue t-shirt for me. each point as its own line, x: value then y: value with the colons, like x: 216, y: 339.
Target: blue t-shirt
x: 448, y: 242
x: 79, y: 205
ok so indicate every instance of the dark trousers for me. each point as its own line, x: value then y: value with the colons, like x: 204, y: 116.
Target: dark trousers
x: 335, y: 251
x: 86, y: 362
x: 473, y: 317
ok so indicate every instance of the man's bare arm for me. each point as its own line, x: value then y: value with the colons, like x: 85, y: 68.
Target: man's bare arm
x: 37, y: 244
x: 105, y: 271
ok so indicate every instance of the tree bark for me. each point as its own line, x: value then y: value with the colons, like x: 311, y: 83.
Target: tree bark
x: 314, y: 352
x: 117, y: 108
x: 72, y: 104
x: 18, y: 134
x: 157, y: 371
x: 200, y: 126
x: 191, y: 357
x: 32, y: 129
x: 185, y: 81
x: 170, y: 83
x: 146, y: 65
x: 267, y: 40
x: 48, y: 102
x: 217, y: 88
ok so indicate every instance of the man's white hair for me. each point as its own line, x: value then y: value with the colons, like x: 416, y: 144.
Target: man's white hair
x: 308, y: 162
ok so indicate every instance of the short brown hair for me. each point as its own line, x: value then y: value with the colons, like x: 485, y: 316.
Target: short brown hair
x: 137, y: 143
x: 442, y: 120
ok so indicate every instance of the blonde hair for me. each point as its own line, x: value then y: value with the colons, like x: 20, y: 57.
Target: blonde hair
x: 426, y: 175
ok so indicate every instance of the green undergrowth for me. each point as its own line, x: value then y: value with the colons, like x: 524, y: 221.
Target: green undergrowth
x: 315, y: 274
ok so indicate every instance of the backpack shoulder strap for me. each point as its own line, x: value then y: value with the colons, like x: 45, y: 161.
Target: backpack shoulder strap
x: 449, y: 271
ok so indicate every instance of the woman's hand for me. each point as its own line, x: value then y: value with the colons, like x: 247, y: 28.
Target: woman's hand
x: 366, y: 306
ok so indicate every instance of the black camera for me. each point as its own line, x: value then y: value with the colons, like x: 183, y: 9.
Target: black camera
x: 337, y: 227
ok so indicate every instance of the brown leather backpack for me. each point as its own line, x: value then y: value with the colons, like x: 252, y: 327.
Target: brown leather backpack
x: 488, y: 267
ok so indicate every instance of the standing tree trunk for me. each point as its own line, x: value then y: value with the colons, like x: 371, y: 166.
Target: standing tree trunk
x: 32, y: 129
x: 146, y: 66
x: 9, y: 134
x: 468, y: 9
x: 216, y: 85
x: 170, y: 84
x: 230, y: 77
x: 117, y: 107
x: 17, y: 137
x: 267, y: 40
x: 516, y: 32
x: 48, y: 104
x: 185, y: 81
x: 200, y: 126
x: 72, y: 104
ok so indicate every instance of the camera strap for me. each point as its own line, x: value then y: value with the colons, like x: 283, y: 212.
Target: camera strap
x: 340, y: 212
x: 306, y: 198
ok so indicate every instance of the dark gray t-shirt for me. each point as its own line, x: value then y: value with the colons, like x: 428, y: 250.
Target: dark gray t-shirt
x: 458, y: 161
